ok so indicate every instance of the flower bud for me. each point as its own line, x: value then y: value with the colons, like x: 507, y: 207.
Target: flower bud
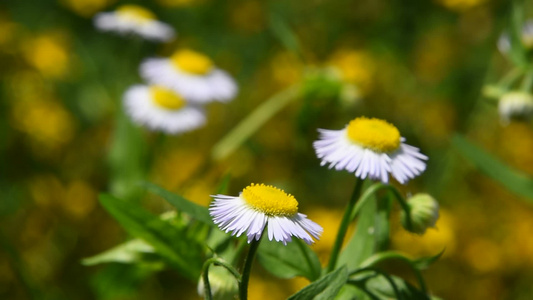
x: 223, y: 284
x: 424, y: 212
x: 515, y: 105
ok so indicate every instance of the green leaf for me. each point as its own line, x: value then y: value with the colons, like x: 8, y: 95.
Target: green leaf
x: 325, y: 288
x: 424, y: 262
x: 194, y: 210
x: 128, y: 252
x: 181, y: 252
x: 514, y: 180
x: 382, y: 289
x: 394, y: 255
x: 350, y: 292
x: 361, y: 245
x: 284, y: 33
x: 251, y: 123
x: 294, y: 259
x: 381, y: 222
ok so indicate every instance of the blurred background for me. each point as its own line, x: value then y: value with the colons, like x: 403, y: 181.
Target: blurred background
x: 419, y: 64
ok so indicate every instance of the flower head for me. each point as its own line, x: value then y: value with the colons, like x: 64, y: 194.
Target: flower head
x: 191, y: 74
x: 370, y: 147
x: 258, y: 206
x: 424, y: 212
x: 162, y: 109
x: 515, y: 105
x: 134, y: 19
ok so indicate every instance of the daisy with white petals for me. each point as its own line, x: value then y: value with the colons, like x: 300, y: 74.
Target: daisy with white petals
x: 134, y: 19
x: 191, y: 74
x: 372, y: 148
x: 162, y: 109
x: 259, y: 206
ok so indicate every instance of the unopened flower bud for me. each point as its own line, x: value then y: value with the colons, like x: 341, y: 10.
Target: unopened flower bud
x: 223, y: 284
x: 515, y: 105
x: 424, y: 212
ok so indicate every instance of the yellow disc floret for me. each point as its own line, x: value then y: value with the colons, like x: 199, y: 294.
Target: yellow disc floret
x: 135, y: 12
x: 192, y: 62
x: 374, y: 134
x: 270, y: 200
x: 166, y: 98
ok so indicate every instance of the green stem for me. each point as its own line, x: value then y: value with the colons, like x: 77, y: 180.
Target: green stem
x: 510, y: 78
x: 249, y: 125
x: 346, y: 219
x: 243, y: 285
x: 527, y: 82
x: 390, y: 255
x: 205, y: 274
x: 374, y: 189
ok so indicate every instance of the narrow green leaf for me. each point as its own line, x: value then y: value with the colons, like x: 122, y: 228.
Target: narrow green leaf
x: 294, y: 259
x: 251, y: 123
x: 324, y: 288
x: 424, y: 262
x: 514, y: 180
x: 128, y: 252
x: 172, y: 244
x: 284, y: 33
x: 194, y: 210
x: 224, y: 184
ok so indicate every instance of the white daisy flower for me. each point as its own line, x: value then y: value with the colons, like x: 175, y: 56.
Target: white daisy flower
x: 134, y: 19
x: 372, y: 148
x: 162, y: 109
x: 191, y: 74
x: 259, y: 206
x: 515, y: 105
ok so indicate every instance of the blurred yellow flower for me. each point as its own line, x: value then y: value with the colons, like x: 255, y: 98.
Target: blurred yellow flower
x: 330, y: 220
x: 484, y: 255
x: 434, y: 54
x: 80, y: 199
x: 86, y: 8
x: 437, y: 120
x: 8, y: 31
x: 515, y: 143
x: 286, y: 68
x: 460, y: 5
x: 47, y: 123
x: 260, y: 288
x: 248, y: 16
x: 45, y: 190
x: 175, y: 3
x: 432, y: 242
x: 199, y: 192
x: 167, y: 162
x: 49, y: 54
x: 355, y: 67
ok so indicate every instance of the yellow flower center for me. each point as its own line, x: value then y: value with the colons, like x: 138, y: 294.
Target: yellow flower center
x: 374, y: 134
x: 192, y: 62
x: 270, y: 200
x: 166, y: 98
x: 135, y: 12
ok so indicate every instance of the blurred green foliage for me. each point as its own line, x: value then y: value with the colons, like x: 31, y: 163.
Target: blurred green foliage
x: 419, y: 64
